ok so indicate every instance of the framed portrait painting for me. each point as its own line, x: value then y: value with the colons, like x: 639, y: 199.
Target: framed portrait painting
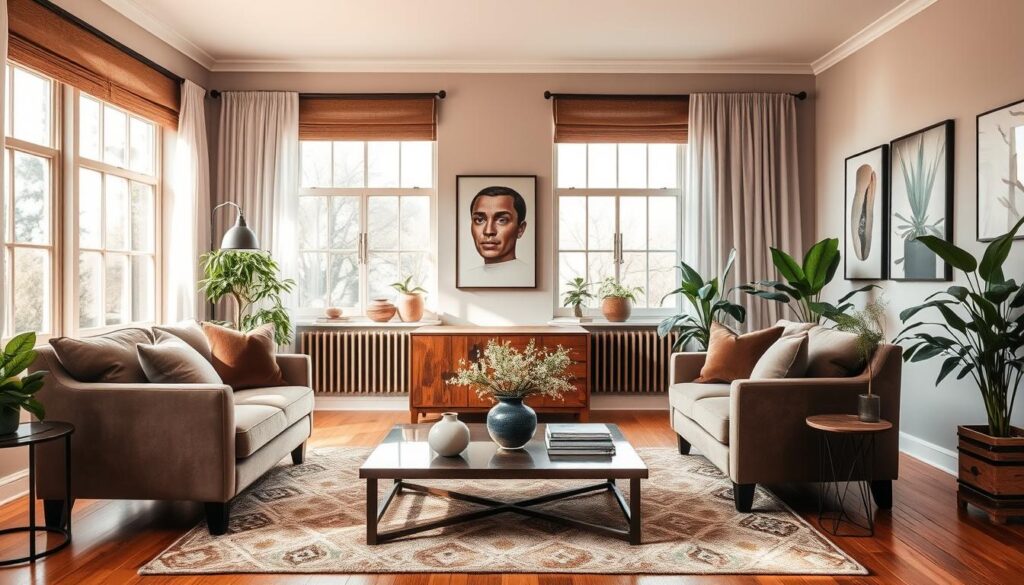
x: 866, y: 191
x: 1000, y: 170
x: 920, y: 202
x: 496, y: 231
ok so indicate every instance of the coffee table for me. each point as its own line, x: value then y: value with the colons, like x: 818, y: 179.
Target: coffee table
x: 404, y: 455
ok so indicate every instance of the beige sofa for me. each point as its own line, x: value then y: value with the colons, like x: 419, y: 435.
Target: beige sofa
x: 755, y: 430
x: 195, y: 442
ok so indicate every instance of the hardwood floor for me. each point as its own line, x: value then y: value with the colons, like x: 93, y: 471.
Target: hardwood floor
x: 924, y: 539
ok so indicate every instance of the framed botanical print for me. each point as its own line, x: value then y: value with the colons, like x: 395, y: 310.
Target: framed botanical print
x: 496, y: 231
x: 866, y: 189
x: 920, y: 202
x: 1000, y: 170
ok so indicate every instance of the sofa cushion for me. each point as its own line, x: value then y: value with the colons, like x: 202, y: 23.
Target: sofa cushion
x: 188, y: 331
x: 832, y: 354
x: 295, y: 401
x: 712, y: 414
x: 786, y: 358
x: 255, y: 426
x: 172, y: 361
x: 794, y: 327
x: 682, y: 396
x: 244, y: 360
x: 109, y: 358
x: 732, y: 357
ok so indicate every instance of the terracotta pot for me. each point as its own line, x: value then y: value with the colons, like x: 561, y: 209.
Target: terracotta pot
x: 410, y: 307
x: 380, y: 310
x: 616, y: 309
x: 991, y: 472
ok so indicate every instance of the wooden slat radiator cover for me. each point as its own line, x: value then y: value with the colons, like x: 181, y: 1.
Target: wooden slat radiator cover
x: 629, y: 361
x: 358, y: 362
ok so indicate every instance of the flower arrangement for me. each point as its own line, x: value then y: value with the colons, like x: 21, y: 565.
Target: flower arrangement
x: 505, y: 372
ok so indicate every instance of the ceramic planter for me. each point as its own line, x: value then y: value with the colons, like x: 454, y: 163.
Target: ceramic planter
x: 511, y: 424
x: 991, y: 472
x: 869, y: 407
x: 380, y: 310
x: 616, y: 309
x: 9, y: 420
x: 410, y: 307
x: 449, y: 436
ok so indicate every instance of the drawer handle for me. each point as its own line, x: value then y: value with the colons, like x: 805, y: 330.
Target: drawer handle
x: 974, y: 470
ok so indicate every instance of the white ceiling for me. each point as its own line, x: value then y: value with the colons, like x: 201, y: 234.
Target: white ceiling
x: 785, y: 36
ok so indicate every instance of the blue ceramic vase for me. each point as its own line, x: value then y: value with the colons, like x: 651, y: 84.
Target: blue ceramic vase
x: 511, y: 423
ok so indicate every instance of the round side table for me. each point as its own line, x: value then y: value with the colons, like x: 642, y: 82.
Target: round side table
x: 846, y: 451
x: 32, y: 434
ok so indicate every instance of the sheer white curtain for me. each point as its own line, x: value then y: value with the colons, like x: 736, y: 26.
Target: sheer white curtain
x: 3, y: 181
x: 744, y: 190
x: 188, y: 228
x: 258, y: 169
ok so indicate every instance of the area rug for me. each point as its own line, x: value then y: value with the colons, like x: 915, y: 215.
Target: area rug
x: 310, y: 519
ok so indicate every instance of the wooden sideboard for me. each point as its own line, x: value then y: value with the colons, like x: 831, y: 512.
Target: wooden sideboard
x: 437, y: 351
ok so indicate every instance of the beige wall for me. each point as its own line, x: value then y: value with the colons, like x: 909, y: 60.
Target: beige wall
x: 953, y: 60
x: 501, y: 123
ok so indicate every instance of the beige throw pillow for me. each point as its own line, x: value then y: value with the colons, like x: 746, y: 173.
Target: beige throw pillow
x: 832, y: 354
x: 110, y: 357
x: 172, y: 361
x: 188, y: 331
x: 790, y: 328
x: 786, y: 358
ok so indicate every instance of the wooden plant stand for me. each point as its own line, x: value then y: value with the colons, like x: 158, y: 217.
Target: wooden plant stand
x: 991, y: 475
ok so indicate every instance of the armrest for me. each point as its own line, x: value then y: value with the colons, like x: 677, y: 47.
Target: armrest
x: 296, y: 368
x: 685, y: 366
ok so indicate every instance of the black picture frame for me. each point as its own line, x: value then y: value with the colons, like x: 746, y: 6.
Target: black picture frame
x: 979, y: 170
x: 532, y: 227
x: 946, y: 190
x: 882, y: 204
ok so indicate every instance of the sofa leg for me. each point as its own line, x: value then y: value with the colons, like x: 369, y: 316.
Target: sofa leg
x: 684, y: 447
x: 881, y: 489
x: 217, y: 516
x: 299, y: 454
x: 743, y: 496
x: 53, y: 513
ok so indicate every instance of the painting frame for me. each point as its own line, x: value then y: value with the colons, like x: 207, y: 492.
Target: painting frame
x: 981, y: 169
x: 467, y: 187
x: 946, y: 130
x: 881, y: 225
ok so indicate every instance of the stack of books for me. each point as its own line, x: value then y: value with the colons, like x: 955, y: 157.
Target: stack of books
x: 574, y: 440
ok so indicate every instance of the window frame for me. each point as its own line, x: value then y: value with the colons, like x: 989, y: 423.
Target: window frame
x: 363, y: 250
x: 678, y: 192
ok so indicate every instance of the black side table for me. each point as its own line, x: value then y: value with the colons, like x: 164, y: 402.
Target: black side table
x: 32, y: 434
x: 846, y: 441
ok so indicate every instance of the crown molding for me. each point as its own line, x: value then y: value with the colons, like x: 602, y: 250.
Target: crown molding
x: 136, y: 13
x: 884, y: 24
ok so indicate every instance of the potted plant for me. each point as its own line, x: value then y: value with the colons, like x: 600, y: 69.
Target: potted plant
x: 617, y: 300
x: 918, y: 178
x: 707, y: 305
x: 980, y: 334
x: 508, y: 376
x: 18, y: 392
x: 577, y: 295
x: 867, y: 325
x: 409, y: 301
x: 801, y: 290
x: 252, y: 280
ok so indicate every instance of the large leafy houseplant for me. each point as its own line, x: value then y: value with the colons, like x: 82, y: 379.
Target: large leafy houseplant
x: 980, y: 327
x: 16, y: 391
x: 707, y: 305
x: 252, y: 279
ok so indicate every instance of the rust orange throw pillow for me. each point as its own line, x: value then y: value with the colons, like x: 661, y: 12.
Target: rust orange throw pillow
x: 244, y: 360
x: 732, y: 357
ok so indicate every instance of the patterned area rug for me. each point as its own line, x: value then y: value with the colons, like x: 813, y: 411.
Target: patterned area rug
x: 310, y: 519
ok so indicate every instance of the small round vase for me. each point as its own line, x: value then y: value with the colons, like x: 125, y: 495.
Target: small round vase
x: 449, y: 436
x: 511, y: 423
x: 380, y: 310
x: 616, y: 309
x: 10, y: 418
x: 410, y: 307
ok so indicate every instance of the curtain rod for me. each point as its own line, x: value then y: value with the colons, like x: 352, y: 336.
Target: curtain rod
x: 613, y: 96
x: 215, y: 93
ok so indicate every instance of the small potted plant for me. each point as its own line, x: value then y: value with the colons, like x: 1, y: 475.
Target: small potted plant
x: 508, y: 376
x: 617, y: 300
x: 867, y: 326
x: 577, y: 295
x: 409, y: 301
x: 18, y: 392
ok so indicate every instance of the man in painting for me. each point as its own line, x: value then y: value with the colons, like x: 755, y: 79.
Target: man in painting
x: 498, y: 220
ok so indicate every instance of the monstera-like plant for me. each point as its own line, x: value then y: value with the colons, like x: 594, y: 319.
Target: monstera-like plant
x: 708, y: 304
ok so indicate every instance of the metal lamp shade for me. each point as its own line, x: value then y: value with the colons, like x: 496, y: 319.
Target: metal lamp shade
x: 240, y: 237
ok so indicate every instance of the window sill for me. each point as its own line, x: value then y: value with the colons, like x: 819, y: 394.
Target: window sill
x: 364, y: 323
x: 600, y: 322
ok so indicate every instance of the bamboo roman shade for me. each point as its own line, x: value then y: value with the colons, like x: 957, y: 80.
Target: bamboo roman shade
x: 46, y: 41
x: 621, y: 119
x: 358, y: 118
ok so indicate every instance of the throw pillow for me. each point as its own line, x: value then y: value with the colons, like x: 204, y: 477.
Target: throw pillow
x: 732, y: 357
x: 188, y: 331
x: 109, y: 358
x: 794, y: 327
x: 172, y: 361
x: 832, y: 354
x: 244, y: 360
x: 786, y: 358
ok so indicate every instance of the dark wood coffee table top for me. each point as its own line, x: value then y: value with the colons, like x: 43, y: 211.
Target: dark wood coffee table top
x: 405, y: 454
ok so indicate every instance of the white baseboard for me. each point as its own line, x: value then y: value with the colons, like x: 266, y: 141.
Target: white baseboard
x: 930, y: 453
x: 396, y: 403
x: 13, y: 486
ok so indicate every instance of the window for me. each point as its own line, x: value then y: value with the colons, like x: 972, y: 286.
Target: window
x: 30, y: 160
x: 364, y: 219
x: 117, y: 201
x: 618, y: 216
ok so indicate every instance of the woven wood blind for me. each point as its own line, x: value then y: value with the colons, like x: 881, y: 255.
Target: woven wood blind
x: 44, y: 40
x: 344, y: 118
x: 633, y: 119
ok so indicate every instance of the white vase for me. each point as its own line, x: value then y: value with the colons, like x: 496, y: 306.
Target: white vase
x: 449, y: 436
